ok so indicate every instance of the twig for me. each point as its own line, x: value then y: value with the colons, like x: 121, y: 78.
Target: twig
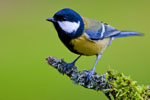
x: 111, y: 83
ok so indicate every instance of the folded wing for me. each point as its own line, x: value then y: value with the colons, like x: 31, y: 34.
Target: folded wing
x: 97, y: 30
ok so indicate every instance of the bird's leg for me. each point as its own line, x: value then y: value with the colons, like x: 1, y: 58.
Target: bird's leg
x: 93, y: 69
x: 68, y: 65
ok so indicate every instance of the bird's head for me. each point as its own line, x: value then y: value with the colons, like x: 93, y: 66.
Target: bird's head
x: 68, y: 22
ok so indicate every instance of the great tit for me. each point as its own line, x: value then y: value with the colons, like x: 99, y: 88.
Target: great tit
x: 85, y: 36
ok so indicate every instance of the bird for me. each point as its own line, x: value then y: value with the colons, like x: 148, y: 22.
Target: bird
x: 85, y: 36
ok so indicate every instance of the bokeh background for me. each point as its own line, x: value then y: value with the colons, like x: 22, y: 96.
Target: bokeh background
x: 26, y: 39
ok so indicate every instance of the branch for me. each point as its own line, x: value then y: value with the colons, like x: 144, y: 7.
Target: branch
x: 113, y: 83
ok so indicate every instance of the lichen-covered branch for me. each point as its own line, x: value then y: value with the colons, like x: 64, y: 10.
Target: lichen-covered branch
x: 113, y: 83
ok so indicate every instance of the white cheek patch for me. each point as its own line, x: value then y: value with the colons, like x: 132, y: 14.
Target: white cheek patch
x: 69, y: 27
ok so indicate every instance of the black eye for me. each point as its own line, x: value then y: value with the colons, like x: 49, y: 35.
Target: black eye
x: 61, y: 18
x: 64, y: 18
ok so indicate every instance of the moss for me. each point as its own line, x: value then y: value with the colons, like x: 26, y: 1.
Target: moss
x: 113, y: 83
x: 125, y: 88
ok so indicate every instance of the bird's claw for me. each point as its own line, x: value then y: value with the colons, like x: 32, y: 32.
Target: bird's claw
x: 68, y: 65
x: 88, y: 78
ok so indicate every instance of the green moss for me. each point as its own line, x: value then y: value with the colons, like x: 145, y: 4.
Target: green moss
x: 124, y: 88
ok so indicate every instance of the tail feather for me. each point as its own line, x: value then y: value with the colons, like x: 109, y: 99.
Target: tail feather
x: 128, y: 33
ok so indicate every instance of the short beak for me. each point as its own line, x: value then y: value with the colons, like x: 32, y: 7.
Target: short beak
x: 50, y: 19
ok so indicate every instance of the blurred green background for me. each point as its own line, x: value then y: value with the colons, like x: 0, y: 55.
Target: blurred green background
x: 26, y: 39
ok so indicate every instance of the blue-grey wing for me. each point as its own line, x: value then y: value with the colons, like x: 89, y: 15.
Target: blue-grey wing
x: 110, y: 31
x: 97, y: 30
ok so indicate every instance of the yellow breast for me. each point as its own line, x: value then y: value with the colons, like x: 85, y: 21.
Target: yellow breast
x: 89, y: 47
